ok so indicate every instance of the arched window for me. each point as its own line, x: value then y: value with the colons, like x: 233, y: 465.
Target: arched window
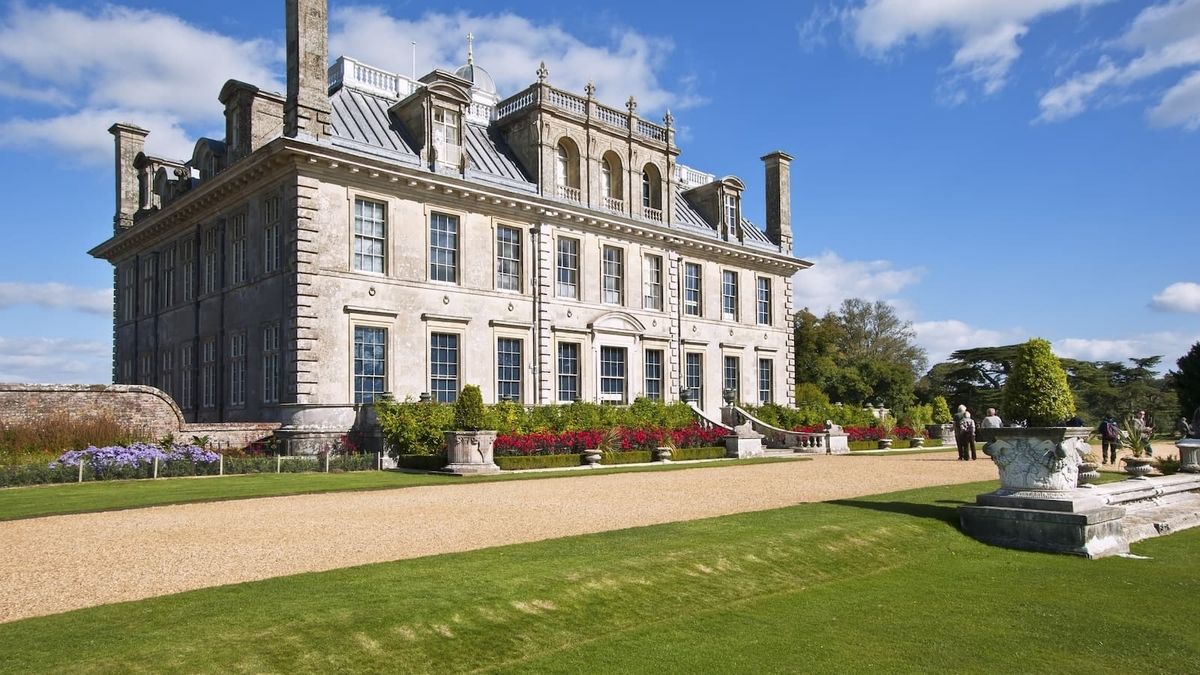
x: 651, y: 193
x: 566, y: 171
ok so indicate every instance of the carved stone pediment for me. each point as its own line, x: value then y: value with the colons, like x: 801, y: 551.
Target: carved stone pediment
x: 617, y: 322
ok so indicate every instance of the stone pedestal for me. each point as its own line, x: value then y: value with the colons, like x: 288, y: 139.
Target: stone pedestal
x: 744, y: 442
x: 941, y: 434
x: 1189, y: 448
x: 470, y: 452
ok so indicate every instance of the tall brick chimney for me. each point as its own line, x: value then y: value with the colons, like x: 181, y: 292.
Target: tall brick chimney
x: 306, y: 110
x: 130, y: 141
x: 779, y: 199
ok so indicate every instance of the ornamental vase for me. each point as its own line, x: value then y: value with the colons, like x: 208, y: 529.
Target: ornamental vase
x: 1138, y: 466
x: 1036, y: 459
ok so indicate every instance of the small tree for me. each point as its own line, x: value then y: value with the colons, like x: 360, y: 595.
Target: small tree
x: 469, y: 414
x: 941, y: 411
x: 1037, y: 390
x: 1186, y: 381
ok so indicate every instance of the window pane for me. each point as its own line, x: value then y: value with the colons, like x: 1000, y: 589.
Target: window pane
x: 443, y: 248
x: 691, y: 289
x: 733, y: 377
x: 370, y: 235
x: 766, y: 377
x: 729, y: 295
x: 508, y: 259
x: 653, y: 281
x: 443, y: 367
x: 613, y: 276
x: 508, y: 369
x: 694, y: 377
x: 568, y: 268
x: 764, y: 301
x: 568, y: 371
x: 612, y: 374
x: 370, y: 363
x: 654, y: 374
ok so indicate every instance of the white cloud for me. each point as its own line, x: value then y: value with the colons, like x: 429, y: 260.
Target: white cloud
x: 54, y: 361
x: 1171, y: 345
x: 1161, y: 39
x: 86, y: 70
x: 1183, y: 297
x: 832, y: 279
x: 56, y: 296
x: 510, y: 47
x: 984, y: 32
x: 941, y: 338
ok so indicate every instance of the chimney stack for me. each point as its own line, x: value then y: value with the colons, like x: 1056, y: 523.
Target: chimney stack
x: 779, y: 199
x: 130, y: 142
x: 306, y: 111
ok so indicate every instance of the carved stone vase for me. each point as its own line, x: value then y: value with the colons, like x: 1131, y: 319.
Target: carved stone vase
x: 1189, y: 449
x: 1138, y: 466
x: 470, y: 452
x: 1036, y: 459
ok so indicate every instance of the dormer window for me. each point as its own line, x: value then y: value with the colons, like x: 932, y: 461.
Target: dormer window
x: 731, y: 214
x: 447, y: 139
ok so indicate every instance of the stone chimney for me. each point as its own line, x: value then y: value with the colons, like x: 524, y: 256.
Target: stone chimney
x: 306, y: 111
x: 779, y: 199
x: 130, y: 142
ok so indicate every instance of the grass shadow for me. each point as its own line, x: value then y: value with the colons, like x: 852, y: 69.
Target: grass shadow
x: 946, y: 514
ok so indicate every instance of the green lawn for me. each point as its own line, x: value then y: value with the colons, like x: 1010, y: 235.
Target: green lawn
x: 880, y: 584
x: 47, y: 500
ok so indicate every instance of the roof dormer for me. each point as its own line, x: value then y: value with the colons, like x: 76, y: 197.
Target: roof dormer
x: 433, y: 116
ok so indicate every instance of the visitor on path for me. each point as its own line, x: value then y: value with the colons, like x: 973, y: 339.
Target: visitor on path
x: 1183, y: 428
x: 966, y: 428
x: 958, y: 440
x: 1110, y: 439
x: 992, y: 421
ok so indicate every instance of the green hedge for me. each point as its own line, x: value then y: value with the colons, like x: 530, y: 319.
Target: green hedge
x: 515, y: 463
x: 421, y: 462
x: 38, y: 474
x: 683, y: 454
x: 634, y: 457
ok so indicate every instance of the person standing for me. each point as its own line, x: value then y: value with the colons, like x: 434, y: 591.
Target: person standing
x: 967, y: 426
x: 958, y: 439
x: 1110, y: 440
x: 992, y: 421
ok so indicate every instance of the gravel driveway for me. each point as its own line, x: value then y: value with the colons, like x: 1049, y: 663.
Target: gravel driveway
x: 60, y: 563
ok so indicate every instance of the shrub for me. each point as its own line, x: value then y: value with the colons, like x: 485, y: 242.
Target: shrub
x: 469, y: 414
x: 412, y: 428
x: 941, y: 411
x: 636, y: 457
x: 1036, y: 390
x: 46, y: 438
x: 538, y: 462
x: 684, y: 454
x: 1167, y: 465
x: 421, y: 462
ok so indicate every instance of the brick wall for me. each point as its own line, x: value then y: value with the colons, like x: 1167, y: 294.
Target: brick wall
x: 149, y: 410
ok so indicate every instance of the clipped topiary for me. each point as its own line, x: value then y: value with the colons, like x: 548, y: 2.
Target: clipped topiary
x: 1036, y: 390
x: 469, y: 414
x: 941, y: 411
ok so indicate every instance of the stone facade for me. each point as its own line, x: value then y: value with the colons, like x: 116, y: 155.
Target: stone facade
x: 415, y: 236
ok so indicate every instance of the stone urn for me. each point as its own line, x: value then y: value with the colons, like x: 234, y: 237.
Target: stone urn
x: 1189, y: 448
x: 470, y: 452
x: 917, y: 442
x: 591, y: 456
x: 1037, y: 459
x: 885, y: 444
x: 662, y: 454
x: 1138, y: 466
x: 1088, y: 472
x: 941, y: 434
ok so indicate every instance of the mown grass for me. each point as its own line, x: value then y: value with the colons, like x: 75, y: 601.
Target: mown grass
x: 46, y: 500
x: 884, y: 583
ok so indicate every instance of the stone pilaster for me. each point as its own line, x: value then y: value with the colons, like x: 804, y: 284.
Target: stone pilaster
x: 302, y: 331
x: 543, y: 292
x: 306, y: 110
x: 674, y: 309
x: 790, y: 355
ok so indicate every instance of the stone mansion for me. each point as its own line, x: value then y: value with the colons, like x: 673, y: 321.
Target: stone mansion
x: 369, y: 233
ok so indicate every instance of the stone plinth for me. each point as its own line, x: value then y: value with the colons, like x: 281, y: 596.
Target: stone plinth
x: 1189, y: 448
x: 744, y: 442
x: 470, y: 452
x: 1091, y: 521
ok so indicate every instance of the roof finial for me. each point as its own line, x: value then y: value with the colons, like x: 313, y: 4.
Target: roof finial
x: 668, y: 119
x: 543, y: 72
x: 470, y: 49
x: 631, y: 104
x: 590, y: 89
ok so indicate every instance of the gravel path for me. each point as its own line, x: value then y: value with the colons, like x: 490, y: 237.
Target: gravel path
x: 60, y: 563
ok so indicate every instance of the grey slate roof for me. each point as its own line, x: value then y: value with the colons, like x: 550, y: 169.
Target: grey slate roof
x: 363, y: 120
x: 489, y: 155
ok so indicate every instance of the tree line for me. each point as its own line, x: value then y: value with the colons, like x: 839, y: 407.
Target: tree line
x: 863, y: 353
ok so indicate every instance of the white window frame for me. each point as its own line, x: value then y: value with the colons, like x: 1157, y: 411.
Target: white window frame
x: 693, y: 306
x: 509, y: 271
x: 730, y: 293
x: 694, y: 381
x: 360, y: 361
x: 576, y: 376
x: 369, y: 249
x: 658, y: 377
x: 508, y: 388
x: 763, y: 313
x: 766, y: 381
x: 652, y: 282
x: 612, y: 275
x: 731, y: 374
x: 607, y: 377
x: 444, y: 394
x: 443, y: 260
x: 572, y: 272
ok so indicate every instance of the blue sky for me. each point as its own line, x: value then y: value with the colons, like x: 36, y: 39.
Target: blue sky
x: 995, y: 169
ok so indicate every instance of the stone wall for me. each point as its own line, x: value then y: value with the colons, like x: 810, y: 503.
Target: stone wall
x: 146, y: 409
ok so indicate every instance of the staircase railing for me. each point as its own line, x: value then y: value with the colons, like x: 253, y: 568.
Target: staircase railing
x: 828, y: 442
x: 704, y: 420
